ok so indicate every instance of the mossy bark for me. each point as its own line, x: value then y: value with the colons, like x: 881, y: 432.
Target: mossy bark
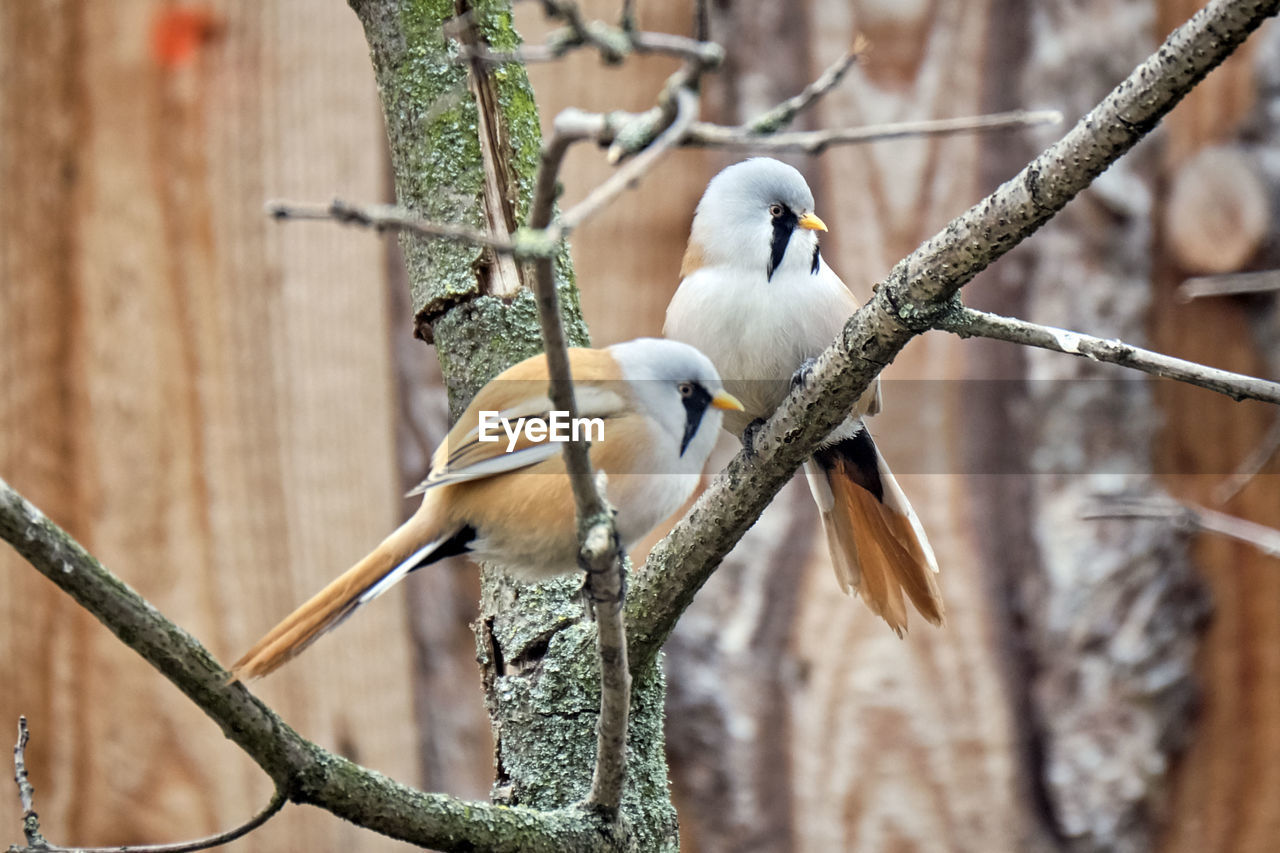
x: 535, y: 643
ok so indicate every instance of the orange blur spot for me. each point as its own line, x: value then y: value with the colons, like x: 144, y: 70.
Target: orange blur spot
x: 178, y: 33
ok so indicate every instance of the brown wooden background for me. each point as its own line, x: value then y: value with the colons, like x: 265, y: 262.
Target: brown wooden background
x: 224, y: 410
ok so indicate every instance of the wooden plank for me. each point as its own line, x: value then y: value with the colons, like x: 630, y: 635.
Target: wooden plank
x: 219, y: 392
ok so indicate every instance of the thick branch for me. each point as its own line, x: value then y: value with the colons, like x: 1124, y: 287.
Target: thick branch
x: 966, y: 322
x: 917, y: 294
x: 306, y: 772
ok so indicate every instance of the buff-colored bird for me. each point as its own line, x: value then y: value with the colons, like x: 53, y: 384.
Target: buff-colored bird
x: 501, y: 494
x: 759, y: 300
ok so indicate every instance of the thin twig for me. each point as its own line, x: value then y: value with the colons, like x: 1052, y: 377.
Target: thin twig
x: 26, y: 794
x: 37, y: 844
x: 1232, y: 284
x: 278, y: 801
x: 784, y: 113
x: 600, y: 554
x: 627, y: 176
x: 1252, y: 464
x: 389, y: 217
x: 613, y: 43
x: 707, y: 135
x: 1191, y: 518
x: 966, y: 322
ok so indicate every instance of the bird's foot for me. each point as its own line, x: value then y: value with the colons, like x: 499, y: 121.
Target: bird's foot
x: 749, y: 436
x: 800, y: 379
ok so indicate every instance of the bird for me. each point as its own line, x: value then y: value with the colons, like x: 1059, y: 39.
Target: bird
x: 758, y: 298
x: 510, y: 502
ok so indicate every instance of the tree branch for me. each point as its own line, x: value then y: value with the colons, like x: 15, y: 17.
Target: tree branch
x: 916, y: 295
x: 599, y: 554
x: 967, y: 322
x: 389, y: 217
x: 1252, y: 464
x: 1192, y: 518
x: 306, y: 772
x: 784, y: 113
x: 37, y: 844
x: 707, y: 135
x: 26, y: 794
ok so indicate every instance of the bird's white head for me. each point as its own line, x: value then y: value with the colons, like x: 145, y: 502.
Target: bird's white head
x: 679, y: 388
x: 757, y: 216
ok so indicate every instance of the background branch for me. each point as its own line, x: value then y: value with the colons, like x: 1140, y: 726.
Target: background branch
x: 968, y: 322
x: 1192, y: 518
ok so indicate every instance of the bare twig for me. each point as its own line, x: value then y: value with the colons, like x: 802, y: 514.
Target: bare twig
x: 686, y: 108
x: 387, y: 217
x: 966, y: 322
x: 1233, y: 284
x: 782, y: 115
x: 1191, y: 518
x: 706, y: 135
x: 26, y: 794
x: 1252, y: 464
x: 37, y: 844
x: 600, y: 554
x: 918, y: 292
x: 614, y: 44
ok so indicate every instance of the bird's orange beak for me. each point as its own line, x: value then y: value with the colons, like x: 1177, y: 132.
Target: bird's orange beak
x: 812, y: 222
x: 725, y: 400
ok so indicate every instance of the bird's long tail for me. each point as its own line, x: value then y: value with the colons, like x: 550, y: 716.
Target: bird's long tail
x: 878, y: 547
x: 419, y: 541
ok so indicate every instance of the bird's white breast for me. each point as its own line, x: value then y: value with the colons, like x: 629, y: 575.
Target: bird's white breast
x: 757, y: 331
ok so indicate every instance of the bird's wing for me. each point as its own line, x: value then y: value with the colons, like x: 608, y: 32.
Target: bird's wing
x: 520, y: 393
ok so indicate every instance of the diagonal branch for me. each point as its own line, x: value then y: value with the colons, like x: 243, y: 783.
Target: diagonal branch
x: 308, y: 773
x: 967, y: 322
x: 916, y: 295
x: 784, y: 113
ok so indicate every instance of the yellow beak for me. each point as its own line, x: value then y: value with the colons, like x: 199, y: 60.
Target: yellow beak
x: 725, y: 400
x: 812, y: 222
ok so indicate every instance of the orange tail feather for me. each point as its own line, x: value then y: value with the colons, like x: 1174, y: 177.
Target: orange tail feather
x: 877, y: 545
x: 415, y: 539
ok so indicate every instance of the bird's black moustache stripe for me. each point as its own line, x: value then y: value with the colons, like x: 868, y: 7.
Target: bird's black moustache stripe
x: 784, y: 226
x: 695, y: 406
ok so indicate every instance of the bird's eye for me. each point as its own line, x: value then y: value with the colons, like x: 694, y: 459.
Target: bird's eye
x: 686, y: 389
x: 775, y: 210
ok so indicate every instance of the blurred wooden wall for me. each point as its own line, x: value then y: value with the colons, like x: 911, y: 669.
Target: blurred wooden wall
x: 200, y: 395
x: 209, y: 401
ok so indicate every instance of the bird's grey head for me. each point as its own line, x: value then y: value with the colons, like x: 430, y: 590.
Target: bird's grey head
x: 758, y: 216
x: 679, y: 388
